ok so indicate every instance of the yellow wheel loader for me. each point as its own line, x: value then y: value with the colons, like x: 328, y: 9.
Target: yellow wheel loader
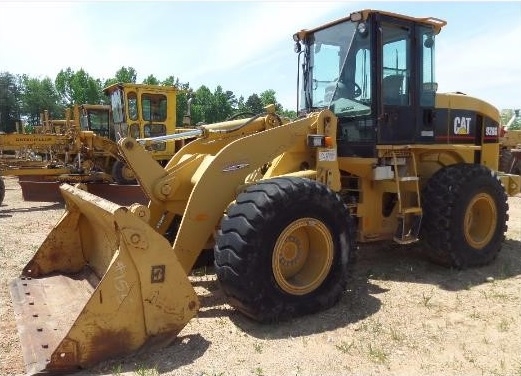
x: 375, y: 154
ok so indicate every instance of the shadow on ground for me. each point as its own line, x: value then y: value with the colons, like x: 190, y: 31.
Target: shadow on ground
x: 411, y: 265
x: 360, y: 301
x: 357, y: 303
x: 183, y: 351
x: 8, y: 211
x: 374, y: 263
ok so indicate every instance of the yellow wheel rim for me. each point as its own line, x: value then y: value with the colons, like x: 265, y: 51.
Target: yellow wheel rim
x: 303, y: 256
x: 480, y: 220
x: 127, y: 173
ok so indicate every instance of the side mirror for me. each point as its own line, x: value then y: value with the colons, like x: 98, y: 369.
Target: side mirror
x: 429, y: 42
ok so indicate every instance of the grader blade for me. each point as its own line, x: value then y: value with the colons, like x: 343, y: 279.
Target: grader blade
x: 103, y: 284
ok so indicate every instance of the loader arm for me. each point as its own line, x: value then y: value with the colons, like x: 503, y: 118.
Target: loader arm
x: 214, y: 177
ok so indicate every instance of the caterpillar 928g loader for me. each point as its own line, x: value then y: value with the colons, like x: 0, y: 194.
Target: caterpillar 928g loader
x: 375, y: 154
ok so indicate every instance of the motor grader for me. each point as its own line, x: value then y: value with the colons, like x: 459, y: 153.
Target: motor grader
x: 83, y: 147
x: 64, y: 148
x: 510, y: 147
x: 376, y: 154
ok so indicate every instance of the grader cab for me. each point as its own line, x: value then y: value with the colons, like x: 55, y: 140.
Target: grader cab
x: 375, y: 154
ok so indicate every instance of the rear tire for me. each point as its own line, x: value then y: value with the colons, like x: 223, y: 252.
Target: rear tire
x: 122, y: 174
x: 2, y: 190
x: 283, y: 249
x: 465, y: 216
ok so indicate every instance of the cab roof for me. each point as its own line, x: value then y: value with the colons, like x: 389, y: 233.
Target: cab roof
x: 435, y: 23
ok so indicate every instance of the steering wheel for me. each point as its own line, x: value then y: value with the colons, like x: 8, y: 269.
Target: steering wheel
x: 343, y: 89
x: 348, y: 86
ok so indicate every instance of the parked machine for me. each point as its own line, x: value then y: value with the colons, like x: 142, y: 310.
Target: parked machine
x: 69, y: 149
x: 510, y: 147
x: 375, y: 154
x: 82, y: 148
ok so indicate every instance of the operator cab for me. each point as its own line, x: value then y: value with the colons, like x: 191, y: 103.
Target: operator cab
x: 96, y: 118
x: 375, y: 71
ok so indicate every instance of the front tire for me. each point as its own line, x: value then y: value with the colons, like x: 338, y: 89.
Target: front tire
x: 283, y: 249
x: 2, y: 190
x: 122, y: 174
x: 465, y: 216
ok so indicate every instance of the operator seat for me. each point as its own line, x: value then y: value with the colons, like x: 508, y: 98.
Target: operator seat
x: 392, y: 89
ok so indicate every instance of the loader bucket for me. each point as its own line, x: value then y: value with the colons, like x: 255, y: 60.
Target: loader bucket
x: 103, y: 284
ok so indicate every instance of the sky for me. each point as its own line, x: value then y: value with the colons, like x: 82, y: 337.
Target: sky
x: 247, y: 46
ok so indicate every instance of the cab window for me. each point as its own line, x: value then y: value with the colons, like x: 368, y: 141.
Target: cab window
x: 154, y: 107
x: 134, y: 131
x: 396, y: 67
x: 132, y: 105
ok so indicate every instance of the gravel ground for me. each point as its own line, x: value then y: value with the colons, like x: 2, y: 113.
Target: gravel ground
x: 400, y: 316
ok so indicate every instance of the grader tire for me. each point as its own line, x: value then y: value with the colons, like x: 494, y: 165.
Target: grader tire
x: 465, y: 216
x: 508, y: 164
x: 122, y: 174
x: 283, y: 249
x: 2, y: 190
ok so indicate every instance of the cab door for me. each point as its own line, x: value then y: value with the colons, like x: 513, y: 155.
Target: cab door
x: 396, y: 77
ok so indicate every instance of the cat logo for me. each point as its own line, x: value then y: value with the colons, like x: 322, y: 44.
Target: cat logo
x: 462, y: 125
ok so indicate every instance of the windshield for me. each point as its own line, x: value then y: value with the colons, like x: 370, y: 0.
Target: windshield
x: 99, y: 122
x: 336, y: 70
x: 116, y: 101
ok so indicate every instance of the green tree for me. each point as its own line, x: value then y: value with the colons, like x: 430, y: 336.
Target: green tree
x: 200, y: 105
x: 291, y: 114
x: 211, y: 107
x: 183, y: 94
x: 232, y: 99
x: 123, y: 75
x: 10, y: 92
x: 78, y: 87
x: 268, y: 97
x: 151, y: 80
x: 254, y: 104
x: 37, y: 96
x: 222, y: 105
x: 509, y: 116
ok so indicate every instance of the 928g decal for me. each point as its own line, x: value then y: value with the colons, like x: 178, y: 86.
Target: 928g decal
x: 491, y: 131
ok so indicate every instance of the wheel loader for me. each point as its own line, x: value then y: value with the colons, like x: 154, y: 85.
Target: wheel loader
x: 376, y: 154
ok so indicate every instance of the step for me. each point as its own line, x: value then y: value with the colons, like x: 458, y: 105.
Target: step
x: 412, y: 210
x: 408, y: 178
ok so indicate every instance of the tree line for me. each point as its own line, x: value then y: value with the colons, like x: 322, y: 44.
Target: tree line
x: 24, y: 97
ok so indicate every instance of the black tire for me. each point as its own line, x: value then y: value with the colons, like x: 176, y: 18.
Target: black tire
x: 2, y: 190
x: 508, y: 164
x: 465, y: 216
x: 122, y: 174
x: 277, y: 232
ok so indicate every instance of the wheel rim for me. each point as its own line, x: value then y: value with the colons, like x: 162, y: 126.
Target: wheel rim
x: 302, y: 256
x: 127, y: 173
x: 480, y: 220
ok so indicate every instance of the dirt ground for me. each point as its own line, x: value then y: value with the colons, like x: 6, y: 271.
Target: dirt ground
x: 400, y: 316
